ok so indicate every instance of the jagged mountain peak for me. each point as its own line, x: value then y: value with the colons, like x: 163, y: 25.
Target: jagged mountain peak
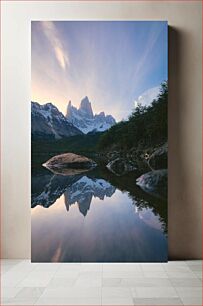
x: 86, y: 107
x: 85, y: 120
x: 69, y: 107
x: 77, y: 189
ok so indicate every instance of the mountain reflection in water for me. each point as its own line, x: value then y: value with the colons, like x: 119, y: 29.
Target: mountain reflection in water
x: 82, y: 192
x: 76, y: 189
x: 89, y: 218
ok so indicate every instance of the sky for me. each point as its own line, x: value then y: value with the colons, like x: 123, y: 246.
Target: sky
x: 111, y: 62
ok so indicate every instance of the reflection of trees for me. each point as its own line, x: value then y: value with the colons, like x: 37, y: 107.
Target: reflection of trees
x: 47, y: 188
x: 141, y: 204
x: 127, y: 183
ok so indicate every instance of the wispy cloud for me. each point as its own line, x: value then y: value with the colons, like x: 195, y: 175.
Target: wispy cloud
x: 112, y: 63
x: 52, y: 35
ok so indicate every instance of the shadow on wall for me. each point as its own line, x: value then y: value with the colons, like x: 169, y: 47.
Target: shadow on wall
x: 184, y: 207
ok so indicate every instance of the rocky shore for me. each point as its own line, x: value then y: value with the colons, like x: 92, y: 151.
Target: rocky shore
x: 152, y: 162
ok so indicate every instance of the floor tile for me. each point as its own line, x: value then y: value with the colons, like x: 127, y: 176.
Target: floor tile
x: 70, y: 267
x: 30, y: 292
x: 193, y: 262
x: 155, y: 274
x: 21, y: 301
x: 146, y: 282
x: 116, y: 292
x: 122, y: 267
x: 185, y: 282
x: 157, y: 301
x: 172, y: 283
x: 91, y: 267
x: 154, y: 292
x: 11, y: 261
x: 123, y: 274
x: 192, y: 301
x: 189, y: 291
x: 177, y: 274
x: 176, y: 263
x: 198, y: 274
x: 117, y: 301
x: 13, y: 279
x: 177, y: 268
x: 152, y: 267
x: 6, y: 268
x: 69, y: 301
x: 90, y: 274
x: 59, y: 282
x: 88, y: 282
x: 73, y: 292
x: 9, y: 292
x: 37, y: 279
x: 111, y: 282
x: 66, y: 273
x: 196, y: 268
x: 4, y: 301
x: 46, y: 267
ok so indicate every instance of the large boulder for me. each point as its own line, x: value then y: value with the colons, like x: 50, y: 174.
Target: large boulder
x: 154, y: 182
x: 120, y: 166
x: 69, y: 164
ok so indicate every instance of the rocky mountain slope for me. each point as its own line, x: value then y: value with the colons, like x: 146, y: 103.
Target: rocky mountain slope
x: 49, y: 123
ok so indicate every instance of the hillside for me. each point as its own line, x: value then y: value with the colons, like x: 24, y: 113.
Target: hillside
x: 145, y: 128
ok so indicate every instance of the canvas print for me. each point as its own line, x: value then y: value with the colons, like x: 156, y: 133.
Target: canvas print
x: 99, y: 141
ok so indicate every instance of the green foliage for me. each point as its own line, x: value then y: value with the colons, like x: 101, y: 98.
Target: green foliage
x: 79, y: 143
x: 145, y: 127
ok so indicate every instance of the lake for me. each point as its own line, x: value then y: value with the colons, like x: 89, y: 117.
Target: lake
x: 96, y: 217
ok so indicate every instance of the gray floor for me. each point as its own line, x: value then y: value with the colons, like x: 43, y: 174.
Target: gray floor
x: 173, y: 283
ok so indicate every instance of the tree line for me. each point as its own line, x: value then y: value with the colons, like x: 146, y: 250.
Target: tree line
x: 145, y: 127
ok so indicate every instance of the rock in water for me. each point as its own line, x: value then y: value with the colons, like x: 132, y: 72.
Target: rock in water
x: 154, y: 182
x: 120, y: 166
x: 69, y: 164
x: 159, y: 158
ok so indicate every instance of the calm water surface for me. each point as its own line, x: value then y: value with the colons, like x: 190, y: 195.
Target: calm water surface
x: 95, y: 218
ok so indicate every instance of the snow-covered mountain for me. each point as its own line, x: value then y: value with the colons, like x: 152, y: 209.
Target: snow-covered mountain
x: 82, y: 191
x: 84, y: 119
x: 77, y: 189
x: 146, y: 98
x: 49, y: 122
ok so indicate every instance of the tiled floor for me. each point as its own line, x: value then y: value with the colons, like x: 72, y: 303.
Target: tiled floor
x: 173, y: 283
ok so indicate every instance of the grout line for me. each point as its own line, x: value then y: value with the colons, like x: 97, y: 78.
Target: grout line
x: 102, y: 277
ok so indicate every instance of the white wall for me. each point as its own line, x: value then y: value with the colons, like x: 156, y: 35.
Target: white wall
x: 184, y: 112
